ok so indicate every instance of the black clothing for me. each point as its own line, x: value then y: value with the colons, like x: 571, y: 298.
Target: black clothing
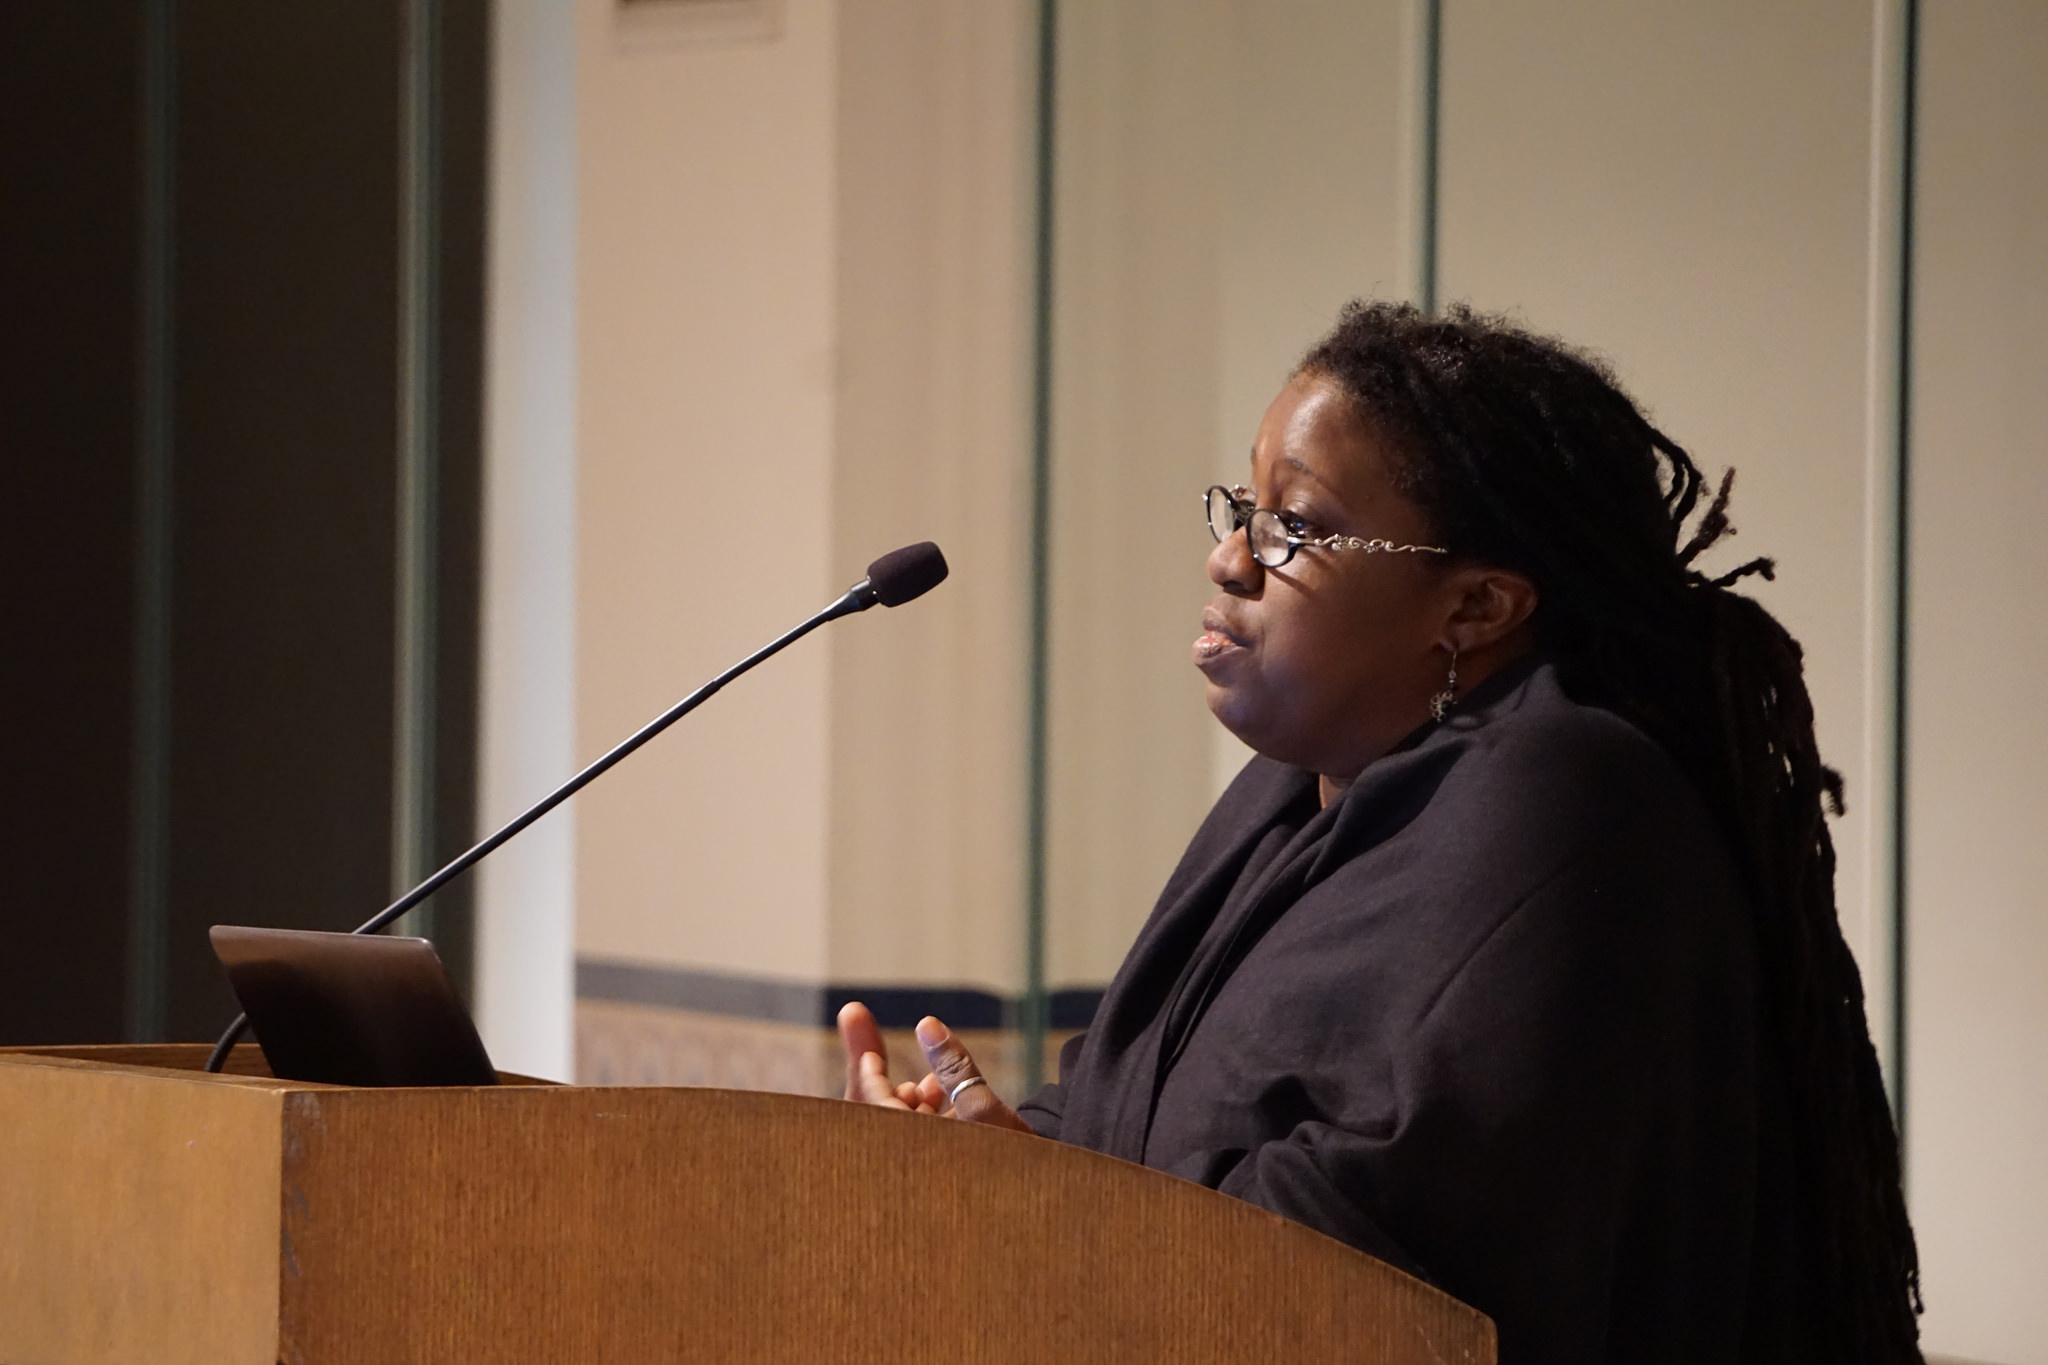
x: 1490, y: 1016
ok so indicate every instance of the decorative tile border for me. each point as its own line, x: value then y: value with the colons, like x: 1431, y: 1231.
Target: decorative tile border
x: 644, y: 1025
x: 794, y: 1002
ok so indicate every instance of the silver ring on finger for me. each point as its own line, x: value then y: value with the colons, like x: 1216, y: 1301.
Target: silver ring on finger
x: 970, y: 1082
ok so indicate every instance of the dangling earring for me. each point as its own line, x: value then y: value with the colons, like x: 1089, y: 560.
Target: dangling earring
x: 1440, y: 704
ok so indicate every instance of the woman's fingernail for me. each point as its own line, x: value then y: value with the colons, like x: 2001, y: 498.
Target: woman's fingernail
x: 930, y: 1031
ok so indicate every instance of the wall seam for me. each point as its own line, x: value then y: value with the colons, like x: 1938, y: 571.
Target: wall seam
x: 1031, y: 1007
x: 1886, y: 563
x: 1424, y: 151
x: 149, y: 794
x: 417, y: 606
x: 1902, y: 378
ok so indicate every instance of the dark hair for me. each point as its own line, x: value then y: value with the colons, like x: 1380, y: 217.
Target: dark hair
x: 1525, y: 453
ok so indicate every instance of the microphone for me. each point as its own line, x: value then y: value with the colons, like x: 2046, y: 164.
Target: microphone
x: 897, y: 577
x: 901, y: 575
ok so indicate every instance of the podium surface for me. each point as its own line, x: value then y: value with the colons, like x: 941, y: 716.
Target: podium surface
x: 149, y: 1211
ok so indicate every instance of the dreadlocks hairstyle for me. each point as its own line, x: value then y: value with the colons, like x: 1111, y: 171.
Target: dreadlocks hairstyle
x: 1525, y: 453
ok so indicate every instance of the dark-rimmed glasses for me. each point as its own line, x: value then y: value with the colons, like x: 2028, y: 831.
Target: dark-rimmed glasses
x: 1272, y: 542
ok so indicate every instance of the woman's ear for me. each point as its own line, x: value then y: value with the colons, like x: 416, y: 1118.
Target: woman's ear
x: 1492, y: 604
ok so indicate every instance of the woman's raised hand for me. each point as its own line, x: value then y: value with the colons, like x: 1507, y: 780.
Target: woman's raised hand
x: 953, y: 1088
x: 867, y: 1066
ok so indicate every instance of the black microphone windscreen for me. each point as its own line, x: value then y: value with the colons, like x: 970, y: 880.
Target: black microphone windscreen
x: 909, y: 572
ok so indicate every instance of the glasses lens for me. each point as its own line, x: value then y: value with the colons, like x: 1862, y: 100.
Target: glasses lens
x: 1269, y: 539
x: 1222, y: 514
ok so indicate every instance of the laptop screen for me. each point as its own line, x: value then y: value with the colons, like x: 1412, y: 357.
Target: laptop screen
x: 352, y: 1009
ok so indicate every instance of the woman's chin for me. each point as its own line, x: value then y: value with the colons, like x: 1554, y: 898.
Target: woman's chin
x: 1231, y: 710
x: 1253, y: 723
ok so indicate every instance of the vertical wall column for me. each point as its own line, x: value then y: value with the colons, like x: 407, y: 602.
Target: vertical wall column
x: 72, y: 276
x: 1888, y: 346
x: 1976, y: 940
x: 527, y: 729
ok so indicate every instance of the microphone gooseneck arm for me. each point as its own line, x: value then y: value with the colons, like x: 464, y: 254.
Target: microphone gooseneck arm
x: 862, y: 595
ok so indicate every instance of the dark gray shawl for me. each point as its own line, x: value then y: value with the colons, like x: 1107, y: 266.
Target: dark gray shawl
x: 1490, y: 1016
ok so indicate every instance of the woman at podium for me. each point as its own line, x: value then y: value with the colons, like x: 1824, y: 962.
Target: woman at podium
x: 1512, y: 957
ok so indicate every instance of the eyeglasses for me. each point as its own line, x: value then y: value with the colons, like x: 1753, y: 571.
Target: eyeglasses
x: 1272, y: 542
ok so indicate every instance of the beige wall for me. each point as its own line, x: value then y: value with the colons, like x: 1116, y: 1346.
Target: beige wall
x: 705, y: 326
x: 934, y: 180
x: 1136, y: 332
x: 1228, y: 173
x: 804, y: 333
x: 1977, y: 748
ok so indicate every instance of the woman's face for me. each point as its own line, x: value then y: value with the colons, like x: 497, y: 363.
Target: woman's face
x: 1328, y: 661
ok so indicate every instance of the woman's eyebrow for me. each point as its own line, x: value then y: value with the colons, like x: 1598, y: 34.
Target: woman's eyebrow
x: 1293, y: 463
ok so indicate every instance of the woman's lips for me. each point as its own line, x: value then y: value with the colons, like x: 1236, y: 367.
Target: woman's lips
x: 1216, y: 639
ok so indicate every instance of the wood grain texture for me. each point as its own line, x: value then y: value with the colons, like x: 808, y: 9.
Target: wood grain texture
x: 140, y: 1215
x: 155, y: 1214
x: 701, y: 1225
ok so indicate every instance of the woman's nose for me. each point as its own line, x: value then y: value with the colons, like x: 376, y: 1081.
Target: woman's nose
x: 1231, y: 566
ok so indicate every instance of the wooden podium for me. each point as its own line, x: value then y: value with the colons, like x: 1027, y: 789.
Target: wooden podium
x: 152, y: 1213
